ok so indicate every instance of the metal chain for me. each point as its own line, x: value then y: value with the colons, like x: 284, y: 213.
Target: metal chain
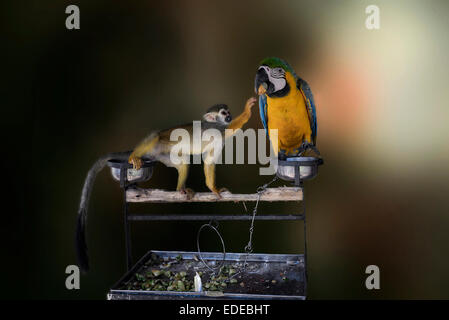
x: 248, y: 248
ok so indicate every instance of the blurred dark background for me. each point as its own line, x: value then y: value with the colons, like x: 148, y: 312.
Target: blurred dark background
x: 70, y: 96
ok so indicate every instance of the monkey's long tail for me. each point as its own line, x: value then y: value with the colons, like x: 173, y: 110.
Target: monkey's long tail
x: 80, y: 237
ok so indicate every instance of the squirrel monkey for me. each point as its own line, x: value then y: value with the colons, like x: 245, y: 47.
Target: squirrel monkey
x: 158, y: 147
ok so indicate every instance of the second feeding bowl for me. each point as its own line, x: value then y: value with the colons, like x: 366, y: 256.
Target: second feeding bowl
x: 298, y: 169
x: 123, y: 171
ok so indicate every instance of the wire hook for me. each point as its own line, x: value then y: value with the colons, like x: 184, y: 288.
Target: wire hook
x: 215, y: 228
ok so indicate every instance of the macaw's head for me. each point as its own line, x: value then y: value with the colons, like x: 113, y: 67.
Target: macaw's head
x: 272, y: 77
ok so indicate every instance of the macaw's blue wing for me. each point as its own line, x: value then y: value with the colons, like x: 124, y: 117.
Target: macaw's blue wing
x: 303, y: 86
x: 263, y: 111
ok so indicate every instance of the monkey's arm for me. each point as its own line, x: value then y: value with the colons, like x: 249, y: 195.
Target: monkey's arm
x: 243, y: 118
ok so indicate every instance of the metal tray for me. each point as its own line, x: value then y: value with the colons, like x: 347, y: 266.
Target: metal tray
x: 267, y: 276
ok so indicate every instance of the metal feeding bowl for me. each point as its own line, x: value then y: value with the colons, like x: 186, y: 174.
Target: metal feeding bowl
x: 131, y: 175
x: 298, y: 168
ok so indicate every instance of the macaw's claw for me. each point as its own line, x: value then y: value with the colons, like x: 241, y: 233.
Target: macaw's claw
x: 282, y: 155
x: 309, y: 150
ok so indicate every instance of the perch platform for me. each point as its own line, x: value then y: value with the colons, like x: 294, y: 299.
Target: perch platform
x: 269, y: 265
x: 163, y: 196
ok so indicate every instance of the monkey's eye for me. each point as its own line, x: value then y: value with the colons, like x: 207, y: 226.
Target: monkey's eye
x: 223, y: 112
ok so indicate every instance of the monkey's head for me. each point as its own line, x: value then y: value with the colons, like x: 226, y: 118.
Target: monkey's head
x: 218, y: 113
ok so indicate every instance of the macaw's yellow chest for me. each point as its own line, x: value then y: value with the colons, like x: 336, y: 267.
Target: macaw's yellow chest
x: 289, y: 116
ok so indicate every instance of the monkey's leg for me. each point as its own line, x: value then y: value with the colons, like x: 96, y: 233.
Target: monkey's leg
x: 143, y: 148
x: 183, y: 172
x: 209, y: 172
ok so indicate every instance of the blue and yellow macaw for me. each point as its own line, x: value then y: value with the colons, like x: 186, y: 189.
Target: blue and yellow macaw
x: 286, y: 104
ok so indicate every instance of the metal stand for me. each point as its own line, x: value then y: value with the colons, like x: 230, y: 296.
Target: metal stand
x: 125, y: 185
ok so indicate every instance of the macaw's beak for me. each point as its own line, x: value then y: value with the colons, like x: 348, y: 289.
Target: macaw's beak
x: 262, y: 88
x: 261, y: 82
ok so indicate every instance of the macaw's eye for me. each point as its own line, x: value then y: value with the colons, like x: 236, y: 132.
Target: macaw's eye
x: 277, y: 72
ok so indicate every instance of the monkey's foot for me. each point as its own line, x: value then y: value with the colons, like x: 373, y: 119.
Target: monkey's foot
x: 223, y: 190
x: 188, y: 192
x: 135, y: 161
x: 218, y: 191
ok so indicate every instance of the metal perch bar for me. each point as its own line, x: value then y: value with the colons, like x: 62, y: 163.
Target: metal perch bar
x: 137, y: 195
x: 218, y: 217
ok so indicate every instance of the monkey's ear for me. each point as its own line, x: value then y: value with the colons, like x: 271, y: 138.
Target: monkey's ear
x: 210, y: 117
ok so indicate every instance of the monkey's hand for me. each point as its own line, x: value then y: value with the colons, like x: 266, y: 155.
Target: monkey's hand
x: 135, y: 161
x: 250, y: 103
x: 238, y: 122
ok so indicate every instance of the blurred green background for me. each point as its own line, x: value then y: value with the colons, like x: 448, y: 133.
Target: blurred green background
x: 70, y: 96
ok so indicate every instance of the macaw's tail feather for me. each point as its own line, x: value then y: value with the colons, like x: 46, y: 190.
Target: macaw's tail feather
x: 80, y: 236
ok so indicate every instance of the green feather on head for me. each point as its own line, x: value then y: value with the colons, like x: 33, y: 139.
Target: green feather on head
x: 274, y: 62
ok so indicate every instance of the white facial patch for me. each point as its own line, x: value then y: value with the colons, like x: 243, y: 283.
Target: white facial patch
x: 276, y: 76
x: 278, y: 83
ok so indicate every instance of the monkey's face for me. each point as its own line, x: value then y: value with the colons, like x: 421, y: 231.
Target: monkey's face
x: 219, y: 114
x: 224, y: 116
